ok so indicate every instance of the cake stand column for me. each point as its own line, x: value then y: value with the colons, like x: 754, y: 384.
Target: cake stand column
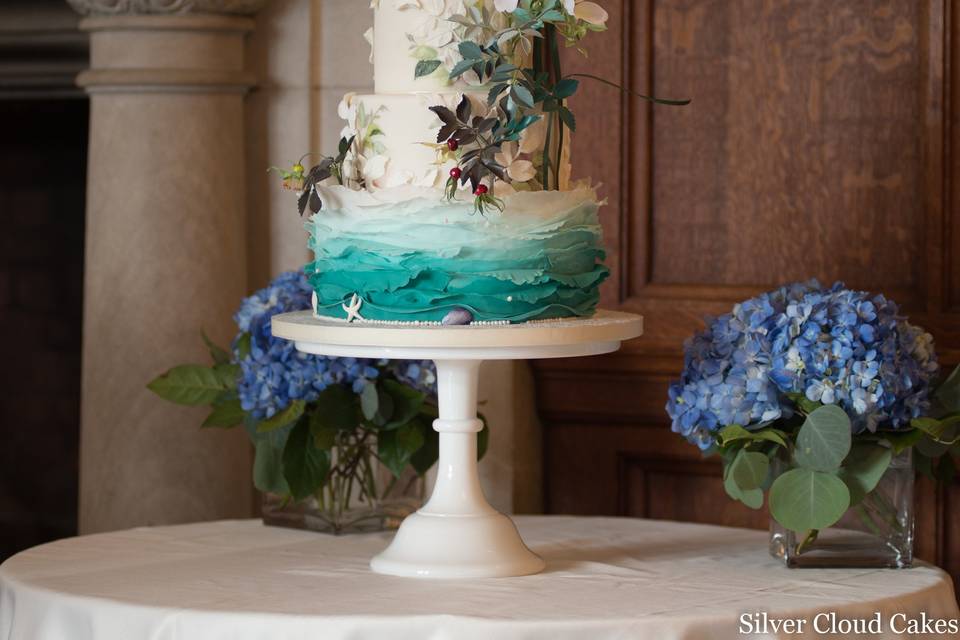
x: 457, y: 534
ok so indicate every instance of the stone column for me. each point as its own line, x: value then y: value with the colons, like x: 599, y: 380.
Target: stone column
x: 165, y: 254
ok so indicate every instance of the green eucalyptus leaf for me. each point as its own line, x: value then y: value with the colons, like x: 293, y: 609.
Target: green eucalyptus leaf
x: 803, y: 499
x: 268, y: 468
x: 749, y: 469
x: 225, y: 414
x: 395, y: 448
x: 189, y: 384
x: 281, y: 419
x: 753, y: 498
x: 369, y: 401
x: 863, y: 468
x: 425, y: 68
x: 219, y: 354
x: 824, y: 440
x: 305, y: 467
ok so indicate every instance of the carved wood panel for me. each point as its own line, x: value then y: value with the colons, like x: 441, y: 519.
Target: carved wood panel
x: 819, y: 143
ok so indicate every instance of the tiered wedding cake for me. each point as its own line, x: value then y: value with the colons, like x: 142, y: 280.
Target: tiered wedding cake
x: 443, y: 205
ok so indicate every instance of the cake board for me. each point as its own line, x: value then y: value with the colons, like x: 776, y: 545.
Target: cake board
x: 457, y: 534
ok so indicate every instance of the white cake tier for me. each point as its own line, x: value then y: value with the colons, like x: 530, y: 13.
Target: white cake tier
x: 396, y: 139
x: 406, y: 31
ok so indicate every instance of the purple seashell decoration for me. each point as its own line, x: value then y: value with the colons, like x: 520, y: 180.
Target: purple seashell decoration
x: 458, y: 315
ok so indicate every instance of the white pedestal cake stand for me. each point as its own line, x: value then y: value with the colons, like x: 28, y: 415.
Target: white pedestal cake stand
x: 457, y: 534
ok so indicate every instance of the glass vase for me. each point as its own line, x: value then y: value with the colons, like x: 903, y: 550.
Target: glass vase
x: 878, y: 532
x: 360, y: 495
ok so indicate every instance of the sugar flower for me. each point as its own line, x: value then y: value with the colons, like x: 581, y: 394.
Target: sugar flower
x: 589, y: 12
x: 518, y: 170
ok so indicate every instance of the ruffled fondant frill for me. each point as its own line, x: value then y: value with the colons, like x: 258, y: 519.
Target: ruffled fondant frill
x: 418, y: 257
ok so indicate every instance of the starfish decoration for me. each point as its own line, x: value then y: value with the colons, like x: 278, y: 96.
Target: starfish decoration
x: 353, y: 309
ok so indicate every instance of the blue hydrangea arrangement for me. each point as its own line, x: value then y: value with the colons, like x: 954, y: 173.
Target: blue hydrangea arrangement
x: 831, y: 382
x: 318, y: 423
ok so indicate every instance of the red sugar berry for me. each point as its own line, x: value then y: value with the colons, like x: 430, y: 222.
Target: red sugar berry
x: 455, y: 173
x: 452, y: 144
x: 480, y: 190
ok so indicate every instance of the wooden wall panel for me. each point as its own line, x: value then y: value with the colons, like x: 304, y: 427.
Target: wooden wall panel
x: 797, y: 107
x: 651, y: 486
x: 822, y: 141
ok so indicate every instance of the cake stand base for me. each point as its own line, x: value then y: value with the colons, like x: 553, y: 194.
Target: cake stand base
x: 438, y: 546
x: 457, y: 534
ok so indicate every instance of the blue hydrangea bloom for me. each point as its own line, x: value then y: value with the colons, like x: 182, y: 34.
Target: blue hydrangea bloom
x: 833, y: 345
x: 419, y: 374
x: 274, y: 373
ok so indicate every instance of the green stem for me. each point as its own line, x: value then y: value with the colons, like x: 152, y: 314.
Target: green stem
x: 545, y: 169
x: 557, y: 75
x: 369, y: 479
x: 537, y: 58
x: 808, y: 540
x: 389, y: 488
x: 633, y: 93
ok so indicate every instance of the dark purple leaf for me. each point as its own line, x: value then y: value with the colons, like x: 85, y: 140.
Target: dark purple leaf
x: 445, y: 115
x: 302, y: 200
x: 496, y: 170
x: 463, y: 109
x: 446, y: 131
x: 464, y: 136
x: 486, y: 124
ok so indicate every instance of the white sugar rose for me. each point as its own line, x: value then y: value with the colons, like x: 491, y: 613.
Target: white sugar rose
x: 591, y: 12
x: 373, y: 169
x: 587, y: 11
x: 507, y: 6
x: 518, y: 170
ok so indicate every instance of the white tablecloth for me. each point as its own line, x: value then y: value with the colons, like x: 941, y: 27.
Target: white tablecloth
x: 605, y: 578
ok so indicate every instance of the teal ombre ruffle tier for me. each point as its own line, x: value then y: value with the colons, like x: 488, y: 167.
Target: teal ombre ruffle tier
x: 409, y: 255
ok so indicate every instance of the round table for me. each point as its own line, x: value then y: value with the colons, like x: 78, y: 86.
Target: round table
x: 457, y: 534
x: 604, y: 578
